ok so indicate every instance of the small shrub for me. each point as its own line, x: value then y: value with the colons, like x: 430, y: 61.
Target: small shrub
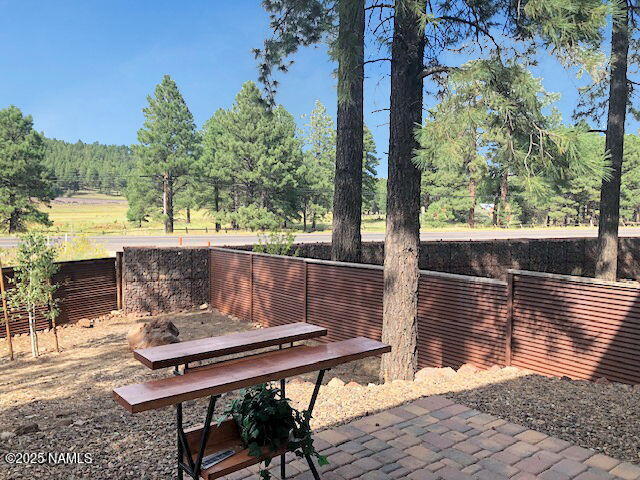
x: 32, y: 284
x: 254, y: 218
x: 276, y: 243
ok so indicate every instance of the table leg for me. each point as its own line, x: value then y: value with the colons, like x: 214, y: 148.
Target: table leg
x: 192, y: 468
x: 180, y: 451
x: 283, y: 472
x: 309, y: 411
x: 314, y: 472
x: 314, y: 395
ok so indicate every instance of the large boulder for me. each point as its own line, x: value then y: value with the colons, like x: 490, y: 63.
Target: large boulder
x: 152, y: 334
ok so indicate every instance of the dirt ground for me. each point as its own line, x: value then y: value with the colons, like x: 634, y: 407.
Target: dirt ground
x: 68, y: 396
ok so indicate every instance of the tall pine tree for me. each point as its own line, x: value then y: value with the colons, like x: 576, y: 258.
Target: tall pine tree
x: 319, y: 165
x: 341, y: 23
x: 253, y: 152
x: 442, y: 26
x: 25, y: 182
x: 168, y: 146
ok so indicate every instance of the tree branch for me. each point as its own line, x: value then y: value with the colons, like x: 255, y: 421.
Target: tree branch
x: 377, y: 60
x: 428, y: 71
x: 473, y: 24
x: 379, y: 5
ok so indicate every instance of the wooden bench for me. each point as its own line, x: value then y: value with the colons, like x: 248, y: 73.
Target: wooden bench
x: 182, y: 353
x: 225, y: 377
x: 228, y: 375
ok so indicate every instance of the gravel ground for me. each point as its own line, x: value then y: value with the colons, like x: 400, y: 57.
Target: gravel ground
x: 603, y: 417
x: 68, y: 395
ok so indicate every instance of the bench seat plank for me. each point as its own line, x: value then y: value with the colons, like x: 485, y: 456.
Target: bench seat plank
x: 204, y: 348
x: 226, y: 377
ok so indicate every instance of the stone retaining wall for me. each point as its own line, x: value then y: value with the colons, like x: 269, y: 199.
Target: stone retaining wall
x: 158, y: 280
x: 492, y: 258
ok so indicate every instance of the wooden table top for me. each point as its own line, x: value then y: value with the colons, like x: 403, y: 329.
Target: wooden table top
x: 234, y: 374
x: 204, y: 348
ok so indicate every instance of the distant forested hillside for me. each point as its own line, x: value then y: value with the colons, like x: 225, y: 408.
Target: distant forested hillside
x: 88, y: 165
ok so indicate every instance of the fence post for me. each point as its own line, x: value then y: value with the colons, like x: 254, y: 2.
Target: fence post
x: 251, y: 286
x: 6, y: 312
x: 119, y: 280
x: 509, y: 320
x: 306, y: 290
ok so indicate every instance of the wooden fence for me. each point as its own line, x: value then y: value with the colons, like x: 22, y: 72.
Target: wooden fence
x: 87, y: 289
x: 551, y: 324
x: 575, y: 326
x: 460, y: 319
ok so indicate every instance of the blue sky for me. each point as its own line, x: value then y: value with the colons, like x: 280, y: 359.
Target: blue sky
x: 83, y: 69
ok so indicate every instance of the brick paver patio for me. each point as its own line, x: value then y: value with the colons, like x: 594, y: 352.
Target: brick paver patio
x: 434, y: 438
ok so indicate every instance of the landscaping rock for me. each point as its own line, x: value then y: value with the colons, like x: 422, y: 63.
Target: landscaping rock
x: 602, y: 381
x: 85, y: 323
x: 335, y: 382
x: 468, y: 369
x: 433, y: 373
x: 204, y: 306
x: 26, y: 429
x: 6, y: 435
x: 152, y: 334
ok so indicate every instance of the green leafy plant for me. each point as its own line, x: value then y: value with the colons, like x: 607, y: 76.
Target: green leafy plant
x: 32, y: 286
x: 254, y: 218
x: 276, y: 243
x: 267, y: 421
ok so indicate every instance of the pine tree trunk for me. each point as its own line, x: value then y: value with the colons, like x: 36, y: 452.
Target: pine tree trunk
x: 304, y: 218
x: 167, y: 202
x: 216, y: 205
x: 472, y: 208
x: 346, y: 240
x: 607, y: 259
x: 13, y: 218
x: 13, y: 222
x: 188, y: 219
x: 402, y: 241
x: 504, y: 192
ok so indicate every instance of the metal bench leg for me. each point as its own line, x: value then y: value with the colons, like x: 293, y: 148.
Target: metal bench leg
x: 312, y: 404
x: 314, y: 472
x: 283, y: 468
x: 192, y: 468
x: 180, y: 451
x: 314, y: 395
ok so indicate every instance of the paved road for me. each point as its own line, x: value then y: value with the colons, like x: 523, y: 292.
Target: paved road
x: 114, y: 243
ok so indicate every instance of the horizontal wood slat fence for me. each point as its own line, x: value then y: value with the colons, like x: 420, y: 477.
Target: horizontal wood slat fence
x: 551, y: 324
x: 575, y: 326
x: 87, y: 289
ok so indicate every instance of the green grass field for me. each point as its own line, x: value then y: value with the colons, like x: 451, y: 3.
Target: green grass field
x: 94, y: 213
